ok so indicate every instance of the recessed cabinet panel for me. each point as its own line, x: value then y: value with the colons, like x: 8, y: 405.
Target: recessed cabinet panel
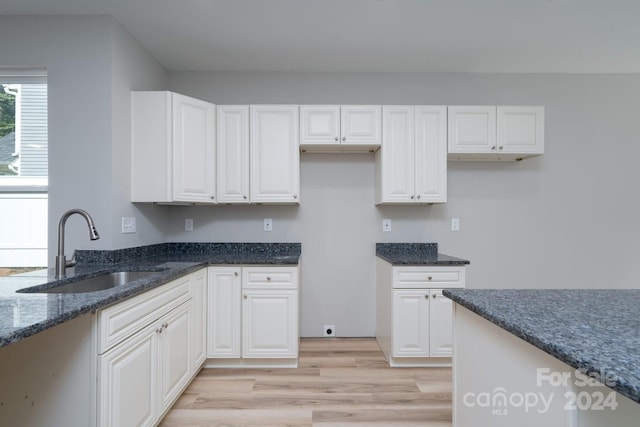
x: 397, y: 154
x: 269, y: 320
x: 128, y: 396
x: 174, y: 354
x: 410, y: 323
x: 224, y: 312
x: 431, y: 154
x: 193, y: 150
x: 233, y: 153
x: 320, y: 124
x: 521, y: 130
x: 441, y: 314
x: 472, y: 129
x: 274, y: 154
x: 361, y: 124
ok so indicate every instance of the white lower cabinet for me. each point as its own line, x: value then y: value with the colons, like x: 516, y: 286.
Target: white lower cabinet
x: 253, y: 316
x: 414, y: 320
x: 143, y: 371
x: 422, y: 323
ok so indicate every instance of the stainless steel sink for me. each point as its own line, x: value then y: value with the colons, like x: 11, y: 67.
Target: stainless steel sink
x: 94, y: 284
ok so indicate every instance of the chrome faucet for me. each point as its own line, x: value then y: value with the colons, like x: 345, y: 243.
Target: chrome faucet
x: 61, y: 260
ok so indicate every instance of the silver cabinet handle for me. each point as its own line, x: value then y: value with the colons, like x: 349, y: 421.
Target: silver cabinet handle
x: 165, y: 325
x: 429, y: 277
x: 435, y: 296
x: 245, y: 197
x: 337, y: 139
x: 344, y: 138
x: 268, y: 279
x: 501, y: 147
x: 235, y: 273
x: 493, y: 148
x: 413, y: 197
x: 245, y: 296
x: 418, y: 197
x: 159, y: 330
x: 426, y: 296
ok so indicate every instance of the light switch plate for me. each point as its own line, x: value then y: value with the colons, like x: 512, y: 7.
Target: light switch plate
x: 128, y: 224
x: 386, y: 225
x: 455, y: 224
x: 268, y: 224
x: 188, y: 224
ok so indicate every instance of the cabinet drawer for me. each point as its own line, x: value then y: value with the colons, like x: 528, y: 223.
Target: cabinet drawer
x: 270, y: 277
x: 428, y: 277
x: 122, y: 320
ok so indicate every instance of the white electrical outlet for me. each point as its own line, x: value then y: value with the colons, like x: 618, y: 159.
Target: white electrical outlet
x: 329, y: 330
x: 128, y: 224
x: 268, y: 224
x: 455, y: 224
x: 386, y: 225
x: 188, y: 224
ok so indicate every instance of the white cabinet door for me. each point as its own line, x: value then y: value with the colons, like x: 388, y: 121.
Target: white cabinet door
x: 361, y: 124
x: 520, y: 130
x: 472, y: 129
x: 173, y: 354
x: 441, y: 325
x: 233, y: 153
x: 412, y: 163
x: 224, y: 312
x: 127, y: 386
x: 274, y: 154
x: 410, y: 323
x: 397, y: 155
x: 320, y: 124
x: 430, y: 154
x: 198, y: 320
x: 193, y: 150
x: 270, y: 323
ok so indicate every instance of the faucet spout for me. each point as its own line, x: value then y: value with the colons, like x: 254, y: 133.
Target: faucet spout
x: 61, y: 260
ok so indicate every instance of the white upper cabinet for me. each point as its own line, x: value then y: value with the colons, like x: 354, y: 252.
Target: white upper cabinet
x: 173, y: 148
x: 233, y: 153
x: 340, y: 129
x: 520, y: 130
x: 411, y: 166
x: 495, y: 133
x: 274, y: 155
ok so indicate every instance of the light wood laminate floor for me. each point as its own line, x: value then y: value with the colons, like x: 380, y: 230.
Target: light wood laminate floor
x: 340, y: 382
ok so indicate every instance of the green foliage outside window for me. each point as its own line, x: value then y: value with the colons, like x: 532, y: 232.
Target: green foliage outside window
x: 7, y: 113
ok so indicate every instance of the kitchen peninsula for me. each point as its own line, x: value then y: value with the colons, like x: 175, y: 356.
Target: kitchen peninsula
x: 121, y: 356
x: 561, y: 357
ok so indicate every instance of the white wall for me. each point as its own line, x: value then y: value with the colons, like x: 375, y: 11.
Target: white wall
x: 90, y: 64
x: 566, y: 219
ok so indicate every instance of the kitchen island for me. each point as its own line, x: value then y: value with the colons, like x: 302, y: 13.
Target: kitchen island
x: 66, y: 357
x: 561, y: 357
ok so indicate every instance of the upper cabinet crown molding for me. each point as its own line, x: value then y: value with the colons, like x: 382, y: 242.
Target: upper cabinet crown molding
x: 488, y: 132
x: 340, y: 128
x: 172, y: 148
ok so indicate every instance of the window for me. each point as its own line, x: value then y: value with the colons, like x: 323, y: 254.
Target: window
x: 23, y: 169
x: 23, y: 130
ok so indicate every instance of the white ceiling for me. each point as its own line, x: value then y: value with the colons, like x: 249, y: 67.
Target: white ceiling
x: 567, y: 36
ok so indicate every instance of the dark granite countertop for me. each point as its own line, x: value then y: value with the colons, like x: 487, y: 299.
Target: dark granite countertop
x: 26, y: 314
x: 415, y: 254
x: 594, y: 330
